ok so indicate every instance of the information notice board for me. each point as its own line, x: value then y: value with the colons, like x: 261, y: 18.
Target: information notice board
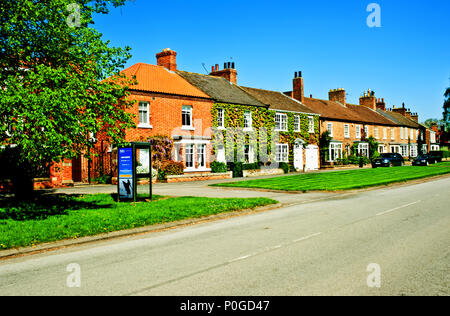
x: 126, y: 172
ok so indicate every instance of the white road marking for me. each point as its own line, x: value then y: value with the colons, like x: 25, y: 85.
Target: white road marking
x: 273, y: 248
x: 397, y: 208
x: 307, y: 237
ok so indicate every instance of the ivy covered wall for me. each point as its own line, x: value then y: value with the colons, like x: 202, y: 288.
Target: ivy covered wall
x: 263, y: 118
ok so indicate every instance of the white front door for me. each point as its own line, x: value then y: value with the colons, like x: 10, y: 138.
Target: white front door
x: 312, y: 157
x: 298, y: 156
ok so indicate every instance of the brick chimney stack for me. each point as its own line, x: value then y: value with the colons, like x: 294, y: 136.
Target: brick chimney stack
x: 401, y: 110
x: 229, y: 72
x: 168, y: 59
x: 368, y: 99
x: 381, y: 104
x: 298, y: 92
x: 415, y: 117
x: 337, y: 95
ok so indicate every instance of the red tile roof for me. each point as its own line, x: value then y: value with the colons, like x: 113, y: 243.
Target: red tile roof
x: 158, y: 79
x: 349, y: 112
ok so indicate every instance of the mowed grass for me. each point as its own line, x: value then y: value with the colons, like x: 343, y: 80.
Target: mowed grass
x: 343, y: 180
x: 58, y: 217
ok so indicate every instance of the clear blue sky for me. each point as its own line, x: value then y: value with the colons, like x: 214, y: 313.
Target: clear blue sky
x: 406, y: 60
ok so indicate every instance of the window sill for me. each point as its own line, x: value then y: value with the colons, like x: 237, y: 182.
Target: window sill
x: 248, y: 129
x: 197, y: 170
x: 187, y: 128
x: 145, y: 126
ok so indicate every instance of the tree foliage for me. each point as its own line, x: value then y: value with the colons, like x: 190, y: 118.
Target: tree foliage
x: 447, y: 108
x: 60, y: 80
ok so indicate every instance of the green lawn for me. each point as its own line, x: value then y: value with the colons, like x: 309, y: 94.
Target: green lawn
x: 343, y: 180
x: 57, y: 217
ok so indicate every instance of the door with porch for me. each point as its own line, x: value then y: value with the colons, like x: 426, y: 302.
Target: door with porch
x: 312, y: 157
x: 298, y: 155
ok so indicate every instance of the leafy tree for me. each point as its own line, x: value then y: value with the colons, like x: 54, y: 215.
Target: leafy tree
x: 430, y: 122
x: 447, y: 108
x: 60, y: 83
x: 324, y: 145
x: 373, y: 148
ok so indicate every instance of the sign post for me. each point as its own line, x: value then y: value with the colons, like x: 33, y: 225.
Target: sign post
x: 127, y: 175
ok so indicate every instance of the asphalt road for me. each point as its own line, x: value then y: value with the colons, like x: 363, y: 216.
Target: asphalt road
x: 330, y: 246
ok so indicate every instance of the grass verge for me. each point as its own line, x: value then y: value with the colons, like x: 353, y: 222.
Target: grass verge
x: 58, y: 217
x: 343, y: 180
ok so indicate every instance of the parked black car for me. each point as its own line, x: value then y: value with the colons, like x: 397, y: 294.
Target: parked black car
x: 388, y: 160
x: 425, y: 160
x: 437, y: 155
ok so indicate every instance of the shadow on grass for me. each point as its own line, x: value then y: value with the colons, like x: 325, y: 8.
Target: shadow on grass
x: 44, y: 206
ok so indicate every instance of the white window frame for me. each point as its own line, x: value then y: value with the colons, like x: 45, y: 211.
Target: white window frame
x: 330, y: 129
x: 201, y: 156
x: 186, y: 110
x: 297, y: 122
x: 366, y: 131
x: 145, y: 117
x: 413, y: 150
x: 392, y: 133
x: 191, y: 153
x: 220, y: 118
x: 335, y: 151
x: 401, y: 133
x: 248, y: 122
x: 363, y: 149
x: 346, y: 130
x: 376, y: 133
x: 404, y: 150
x: 358, y: 131
x: 311, y: 127
x: 281, y: 122
x: 384, y: 133
x: 282, y: 153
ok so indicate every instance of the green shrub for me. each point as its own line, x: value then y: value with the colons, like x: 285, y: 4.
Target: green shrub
x: 218, y: 167
x: 170, y: 168
x: 105, y: 179
x: 285, y: 167
x: 355, y: 160
x: 236, y: 167
x: 251, y: 166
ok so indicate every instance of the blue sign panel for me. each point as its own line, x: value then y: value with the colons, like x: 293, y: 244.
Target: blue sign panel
x: 126, y: 173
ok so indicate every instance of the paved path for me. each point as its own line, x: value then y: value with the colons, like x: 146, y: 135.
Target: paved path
x: 319, y: 248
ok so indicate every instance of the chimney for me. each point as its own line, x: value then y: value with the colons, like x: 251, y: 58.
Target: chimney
x: 415, y: 117
x: 298, y: 93
x: 381, y: 104
x: 168, y: 59
x: 229, y: 72
x: 337, y: 95
x: 368, y: 99
x: 401, y: 110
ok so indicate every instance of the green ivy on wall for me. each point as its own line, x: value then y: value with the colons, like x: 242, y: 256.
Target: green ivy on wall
x: 262, y: 118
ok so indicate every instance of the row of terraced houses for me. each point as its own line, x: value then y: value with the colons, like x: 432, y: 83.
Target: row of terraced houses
x: 192, y: 109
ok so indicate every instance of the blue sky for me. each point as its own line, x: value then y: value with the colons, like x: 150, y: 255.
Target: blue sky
x: 407, y: 59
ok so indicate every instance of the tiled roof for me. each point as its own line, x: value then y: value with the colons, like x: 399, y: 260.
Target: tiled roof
x: 399, y: 119
x: 349, y: 112
x: 158, y: 79
x: 332, y: 110
x: 370, y: 115
x: 220, y: 89
x: 278, y: 101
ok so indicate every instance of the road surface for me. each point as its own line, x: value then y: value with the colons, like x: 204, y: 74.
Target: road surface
x: 390, y: 241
